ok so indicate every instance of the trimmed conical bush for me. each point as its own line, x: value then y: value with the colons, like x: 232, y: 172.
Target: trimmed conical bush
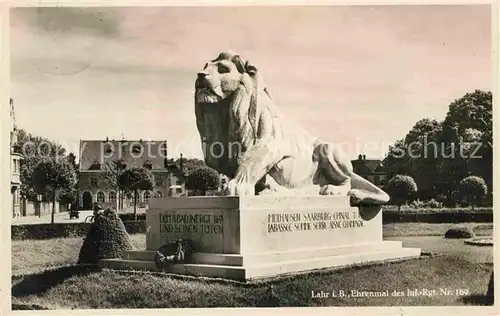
x: 107, y: 238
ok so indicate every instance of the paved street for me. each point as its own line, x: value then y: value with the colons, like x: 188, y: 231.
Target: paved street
x: 63, y: 217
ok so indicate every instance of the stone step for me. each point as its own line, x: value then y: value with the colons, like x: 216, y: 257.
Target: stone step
x: 266, y: 270
x: 215, y: 271
x: 307, y: 254
x: 331, y: 262
x: 270, y: 257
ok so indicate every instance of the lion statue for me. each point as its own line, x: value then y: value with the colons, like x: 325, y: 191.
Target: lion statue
x: 245, y: 137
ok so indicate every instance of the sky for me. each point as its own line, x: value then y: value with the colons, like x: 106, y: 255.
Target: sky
x: 360, y: 76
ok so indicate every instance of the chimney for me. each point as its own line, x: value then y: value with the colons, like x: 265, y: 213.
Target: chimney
x: 180, y: 164
x: 360, y: 157
x: 364, y: 157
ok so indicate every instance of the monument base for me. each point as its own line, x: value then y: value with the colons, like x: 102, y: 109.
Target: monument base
x: 263, y: 236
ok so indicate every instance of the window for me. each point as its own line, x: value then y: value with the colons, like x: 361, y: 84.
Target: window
x: 100, y: 197
x: 93, y: 182
x: 112, y: 197
x: 158, y: 194
x: 147, y: 196
x: 178, y: 190
x: 108, y: 149
x: 137, y: 149
x: 178, y: 182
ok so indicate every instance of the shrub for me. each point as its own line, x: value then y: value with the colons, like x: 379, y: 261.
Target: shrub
x: 418, y: 204
x: 432, y: 203
x: 130, y: 217
x: 463, y: 215
x: 401, y: 188
x: 46, y: 231
x: 68, y: 230
x: 459, y: 232
x: 107, y: 238
x: 203, y: 179
x: 473, y: 189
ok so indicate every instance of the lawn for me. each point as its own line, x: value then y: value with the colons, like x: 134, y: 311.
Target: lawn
x: 24, y: 252
x: 426, y: 229
x: 83, y: 288
x: 67, y: 249
x: 459, y: 266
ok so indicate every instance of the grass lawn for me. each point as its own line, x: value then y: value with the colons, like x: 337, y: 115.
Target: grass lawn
x: 426, y: 229
x: 33, y: 254
x: 83, y: 288
x: 460, y: 266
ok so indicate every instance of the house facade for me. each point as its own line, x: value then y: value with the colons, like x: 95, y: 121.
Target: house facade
x: 371, y: 169
x: 15, y: 165
x: 97, y: 156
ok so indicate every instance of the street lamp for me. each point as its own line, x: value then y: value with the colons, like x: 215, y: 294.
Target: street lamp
x: 39, y: 200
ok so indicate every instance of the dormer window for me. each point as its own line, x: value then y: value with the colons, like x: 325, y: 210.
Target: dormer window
x: 137, y: 149
x: 108, y: 149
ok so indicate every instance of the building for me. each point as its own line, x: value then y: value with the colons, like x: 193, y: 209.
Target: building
x: 371, y: 169
x: 15, y: 166
x: 97, y: 156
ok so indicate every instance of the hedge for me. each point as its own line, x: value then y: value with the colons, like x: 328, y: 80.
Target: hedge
x: 130, y: 217
x: 46, y: 231
x: 452, y: 215
x: 438, y: 216
x: 406, y: 209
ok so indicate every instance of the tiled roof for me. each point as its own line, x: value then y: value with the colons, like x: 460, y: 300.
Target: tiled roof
x: 104, y: 151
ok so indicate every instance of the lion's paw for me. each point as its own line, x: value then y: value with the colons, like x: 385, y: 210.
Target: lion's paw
x: 239, y: 189
x: 357, y: 196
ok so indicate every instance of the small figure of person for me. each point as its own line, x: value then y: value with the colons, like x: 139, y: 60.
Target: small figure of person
x: 96, y: 208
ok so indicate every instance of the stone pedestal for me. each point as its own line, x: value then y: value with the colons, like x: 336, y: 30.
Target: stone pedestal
x: 262, y: 236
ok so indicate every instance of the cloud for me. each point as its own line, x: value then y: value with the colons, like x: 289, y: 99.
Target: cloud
x: 339, y: 71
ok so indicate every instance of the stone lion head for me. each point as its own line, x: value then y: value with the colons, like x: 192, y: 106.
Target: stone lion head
x: 229, y: 95
x: 222, y: 77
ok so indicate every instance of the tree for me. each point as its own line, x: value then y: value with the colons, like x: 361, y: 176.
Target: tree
x: 67, y: 196
x: 188, y: 164
x: 417, y: 156
x: 203, y: 179
x: 54, y: 174
x: 439, y: 154
x: 401, y: 188
x: 111, y: 176
x: 34, y: 148
x: 135, y: 179
x: 473, y: 188
x: 468, y: 124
